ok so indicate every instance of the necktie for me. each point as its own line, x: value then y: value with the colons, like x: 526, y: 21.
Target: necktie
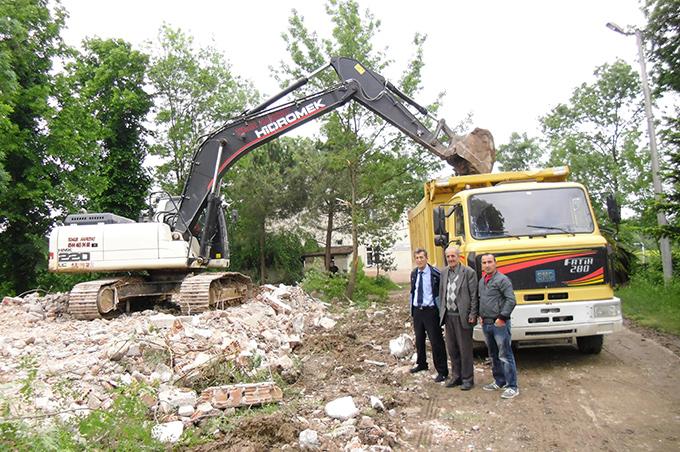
x: 419, y: 297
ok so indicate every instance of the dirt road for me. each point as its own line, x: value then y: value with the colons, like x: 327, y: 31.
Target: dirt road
x: 625, y: 398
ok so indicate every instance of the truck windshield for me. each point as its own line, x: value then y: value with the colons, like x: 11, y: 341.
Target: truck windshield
x: 530, y: 213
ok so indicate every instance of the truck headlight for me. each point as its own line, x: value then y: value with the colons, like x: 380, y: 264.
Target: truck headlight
x: 607, y: 310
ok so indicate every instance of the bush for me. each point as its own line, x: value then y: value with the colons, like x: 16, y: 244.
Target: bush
x: 332, y: 286
x: 283, y: 256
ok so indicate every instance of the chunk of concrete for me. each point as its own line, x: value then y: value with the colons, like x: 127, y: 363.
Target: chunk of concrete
x: 169, y: 432
x: 327, y: 323
x: 401, y: 346
x: 309, y: 440
x: 377, y: 404
x: 342, y: 408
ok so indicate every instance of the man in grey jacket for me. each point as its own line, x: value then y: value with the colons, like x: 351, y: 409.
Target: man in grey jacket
x: 458, y: 306
x: 496, y: 303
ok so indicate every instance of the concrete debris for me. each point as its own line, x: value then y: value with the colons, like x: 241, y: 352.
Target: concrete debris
x: 82, y: 362
x: 117, y: 349
x: 186, y: 410
x: 170, y: 432
x: 171, y: 398
x: 342, y: 408
x: 377, y: 404
x: 366, y: 422
x: 309, y: 440
x: 344, y: 431
x: 401, y: 346
x: 375, y: 363
x: 327, y: 323
x: 354, y: 445
x: 247, y: 394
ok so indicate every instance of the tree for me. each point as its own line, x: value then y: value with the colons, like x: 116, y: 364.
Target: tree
x: 521, y: 153
x: 663, y: 30
x: 103, y: 98
x: 195, y: 92
x: 30, y: 40
x: 266, y: 187
x: 597, y: 135
x: 376, y: 165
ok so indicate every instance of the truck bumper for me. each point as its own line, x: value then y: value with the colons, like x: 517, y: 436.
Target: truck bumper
x: 560, y: 321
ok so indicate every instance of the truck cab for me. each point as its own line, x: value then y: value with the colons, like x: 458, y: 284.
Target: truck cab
x: 544, y: 235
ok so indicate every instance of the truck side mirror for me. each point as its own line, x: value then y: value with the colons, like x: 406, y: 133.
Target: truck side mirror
x: 439, y: 221
x: 441, y: 237
x: 613, y: 209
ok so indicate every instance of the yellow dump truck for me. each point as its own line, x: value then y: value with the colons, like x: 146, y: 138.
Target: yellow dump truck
x: 543, y: 232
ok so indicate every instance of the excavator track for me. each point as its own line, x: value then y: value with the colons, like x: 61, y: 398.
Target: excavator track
x: 202, y: 292
x: 87, y: 299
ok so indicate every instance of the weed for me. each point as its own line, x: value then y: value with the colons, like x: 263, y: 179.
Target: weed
x: 30, y: 365
x: 64, y: 388
x: 123, y: 426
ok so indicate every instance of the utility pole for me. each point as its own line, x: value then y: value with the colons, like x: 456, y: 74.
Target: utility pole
x: 664, y: 242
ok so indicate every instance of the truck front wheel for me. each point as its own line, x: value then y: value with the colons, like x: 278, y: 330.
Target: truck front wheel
x: 591, y: 345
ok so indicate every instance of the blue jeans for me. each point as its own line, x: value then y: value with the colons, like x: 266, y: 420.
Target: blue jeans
x: 498, y: 341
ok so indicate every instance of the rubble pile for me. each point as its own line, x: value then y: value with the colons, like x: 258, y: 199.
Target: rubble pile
x: 71, y: 366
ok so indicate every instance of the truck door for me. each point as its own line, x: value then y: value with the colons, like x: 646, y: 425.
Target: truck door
x: 457, y: 222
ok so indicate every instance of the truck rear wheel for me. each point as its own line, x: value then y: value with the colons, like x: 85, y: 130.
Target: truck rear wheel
x: 591, y: 345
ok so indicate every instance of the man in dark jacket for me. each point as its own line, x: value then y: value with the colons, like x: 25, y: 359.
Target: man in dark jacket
x: 458, y: 308
x: 424, y: 301
x: 496, y: 303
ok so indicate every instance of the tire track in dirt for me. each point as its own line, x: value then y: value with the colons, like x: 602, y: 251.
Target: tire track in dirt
x: 424, y: 438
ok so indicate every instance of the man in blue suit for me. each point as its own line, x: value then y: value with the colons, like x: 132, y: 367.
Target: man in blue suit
x: 425, y: 312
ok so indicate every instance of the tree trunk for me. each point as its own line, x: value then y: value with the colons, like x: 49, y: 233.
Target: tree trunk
x: 351, y: 283
x: 329, y: 234
x: 263, y: 264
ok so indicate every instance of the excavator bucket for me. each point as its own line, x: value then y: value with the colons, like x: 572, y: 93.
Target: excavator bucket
x: 474, y: 153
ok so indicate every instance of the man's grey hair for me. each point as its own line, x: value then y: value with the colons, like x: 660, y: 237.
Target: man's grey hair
x: 420, y: 250
x: 453, y: 248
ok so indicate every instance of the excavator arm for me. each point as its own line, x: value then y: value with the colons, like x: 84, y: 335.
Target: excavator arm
x: 255, y: 127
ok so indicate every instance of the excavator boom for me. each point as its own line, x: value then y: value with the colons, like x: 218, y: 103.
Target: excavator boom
x: 221, y: 149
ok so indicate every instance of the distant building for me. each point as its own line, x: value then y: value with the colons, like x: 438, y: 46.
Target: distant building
x: 342, y: 255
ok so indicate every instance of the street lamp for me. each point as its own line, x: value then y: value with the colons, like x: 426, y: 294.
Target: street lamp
x: 664, y: 242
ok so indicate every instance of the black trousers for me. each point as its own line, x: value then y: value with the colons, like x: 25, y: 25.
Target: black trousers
x: 426, y: 321
x: 459, y: 346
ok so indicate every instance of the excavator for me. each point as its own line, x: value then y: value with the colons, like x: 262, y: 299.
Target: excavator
x: 169, y: 257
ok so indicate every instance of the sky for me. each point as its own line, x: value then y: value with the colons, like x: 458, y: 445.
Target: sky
x: 505, y: 62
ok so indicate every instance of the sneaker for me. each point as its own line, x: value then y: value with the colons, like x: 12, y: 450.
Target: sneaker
x: 491, y: 387
x: 510, y: 393
x: 439, y: 378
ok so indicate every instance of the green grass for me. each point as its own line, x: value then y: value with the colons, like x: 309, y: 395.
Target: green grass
x: 652, y: 304
x: 332, y: 287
